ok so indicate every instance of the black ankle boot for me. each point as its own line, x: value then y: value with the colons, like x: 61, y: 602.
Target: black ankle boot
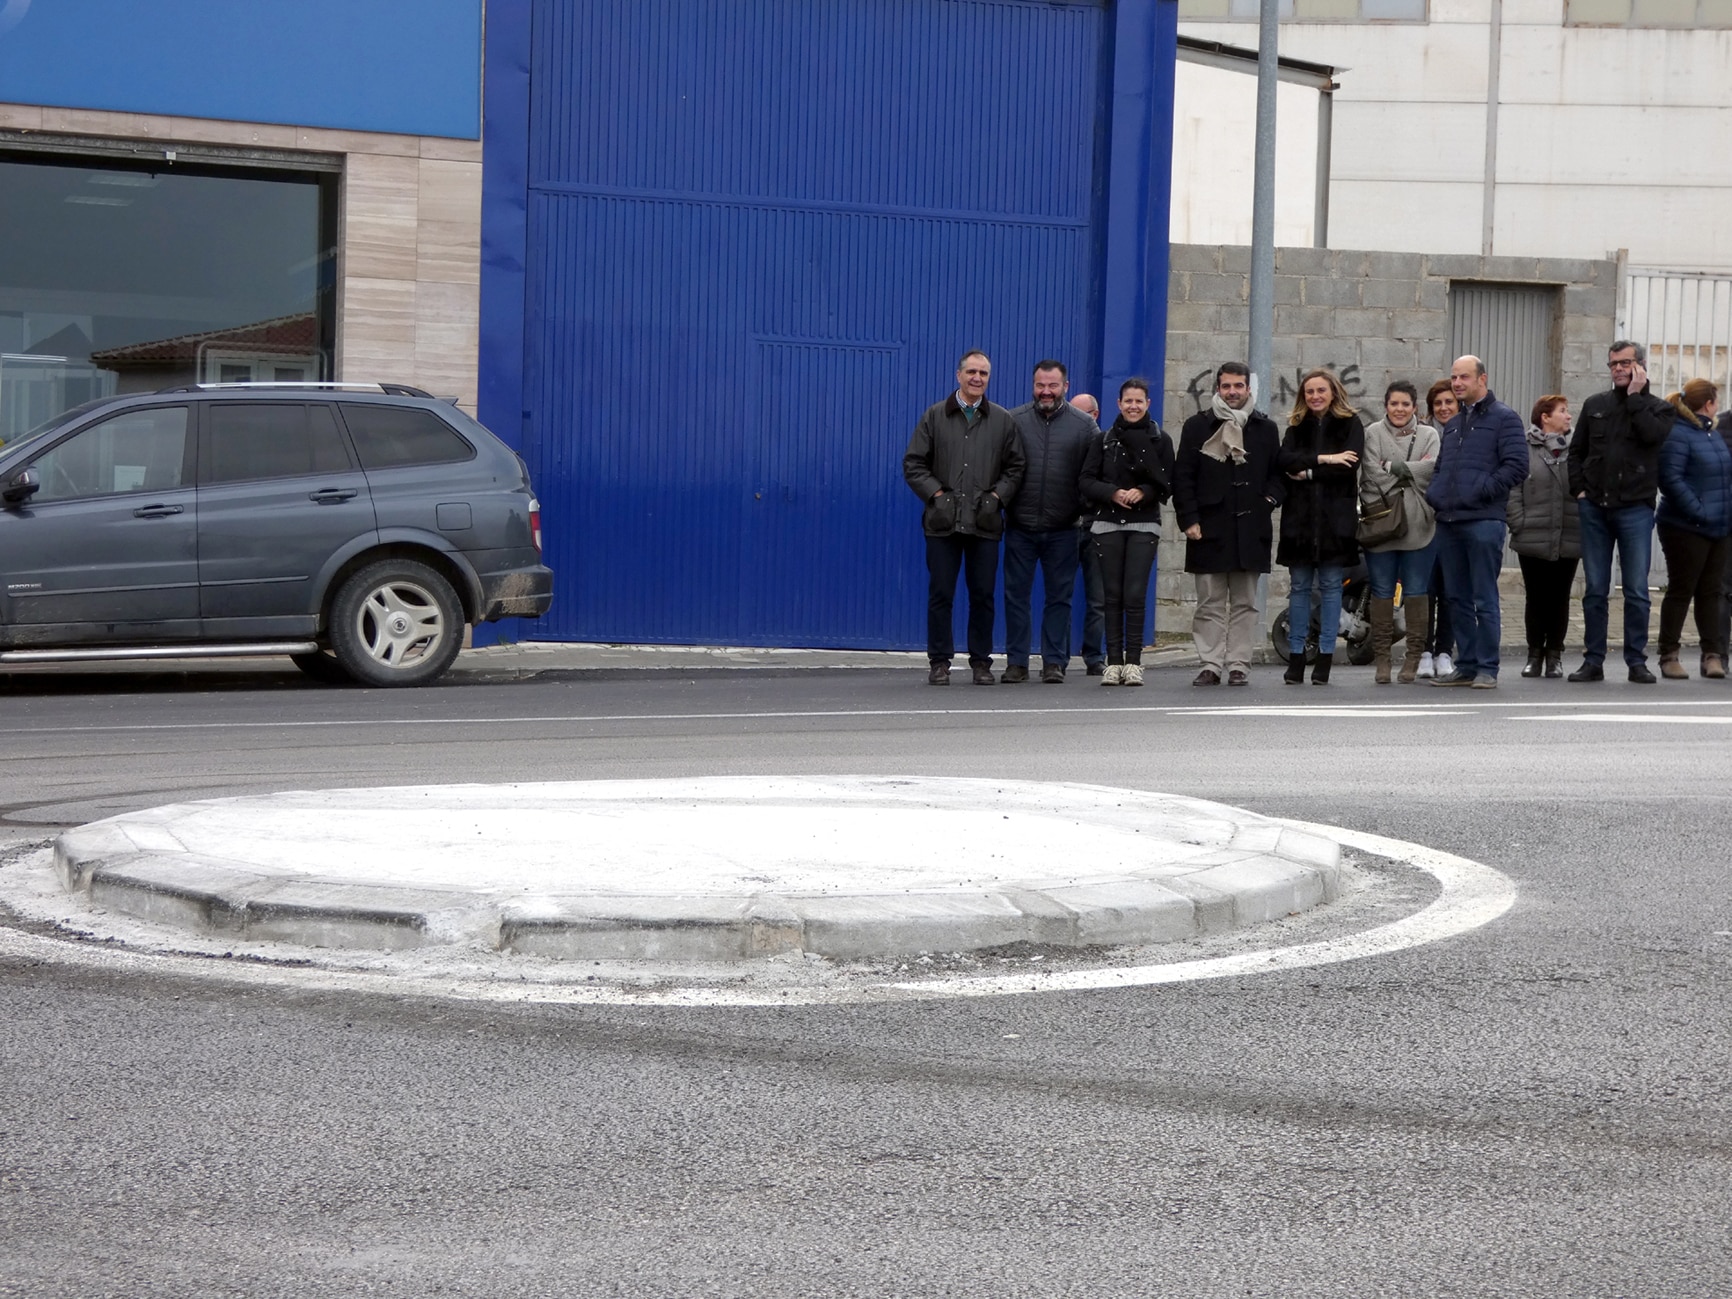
x: 1295, y: 673
x: 1554, y: 666
x: 1536, y: 665
x: 1320, y: 670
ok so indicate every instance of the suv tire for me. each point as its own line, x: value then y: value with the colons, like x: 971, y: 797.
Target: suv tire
x: 396, y: 622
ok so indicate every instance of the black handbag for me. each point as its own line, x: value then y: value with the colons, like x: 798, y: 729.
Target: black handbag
x: 1383, y: 522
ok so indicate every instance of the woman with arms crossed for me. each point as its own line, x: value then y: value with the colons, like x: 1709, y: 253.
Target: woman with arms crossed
x: 1319, y: 455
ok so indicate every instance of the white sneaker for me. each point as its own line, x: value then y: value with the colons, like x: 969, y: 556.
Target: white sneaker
x: 1133, y: 675
x: 1445, y: 665
x: 1114, y: 675
x: 1426, y: 667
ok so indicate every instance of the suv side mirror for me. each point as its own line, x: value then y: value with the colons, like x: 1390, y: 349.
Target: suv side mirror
x: 21, y: 487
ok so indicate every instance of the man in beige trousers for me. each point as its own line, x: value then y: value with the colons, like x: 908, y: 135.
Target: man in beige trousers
x: 1225, y: 489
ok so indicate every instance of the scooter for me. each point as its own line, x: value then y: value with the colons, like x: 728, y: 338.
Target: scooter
x: 1354, y: 632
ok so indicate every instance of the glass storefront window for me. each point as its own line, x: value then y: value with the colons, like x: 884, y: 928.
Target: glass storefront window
x: 121, y: 277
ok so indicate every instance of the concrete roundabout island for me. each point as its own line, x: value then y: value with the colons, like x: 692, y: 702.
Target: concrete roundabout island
x: 714, y: 869
x: 776, y: 890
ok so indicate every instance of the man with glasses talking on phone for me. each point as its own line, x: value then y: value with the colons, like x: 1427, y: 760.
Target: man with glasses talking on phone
x: 1614, y: 474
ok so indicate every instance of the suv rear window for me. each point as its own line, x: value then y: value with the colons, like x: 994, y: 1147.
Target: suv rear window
x: 388, y: 437
x: 244, y: 441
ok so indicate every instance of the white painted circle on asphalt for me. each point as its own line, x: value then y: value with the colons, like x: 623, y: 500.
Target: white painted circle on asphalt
x: 1471, y: 895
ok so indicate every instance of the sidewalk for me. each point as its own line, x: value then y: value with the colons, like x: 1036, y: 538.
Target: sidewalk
x: 1172, y: 626
x: 1171, y: 648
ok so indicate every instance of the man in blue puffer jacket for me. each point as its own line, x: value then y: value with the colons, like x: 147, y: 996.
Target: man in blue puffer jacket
x: 1484, y: 454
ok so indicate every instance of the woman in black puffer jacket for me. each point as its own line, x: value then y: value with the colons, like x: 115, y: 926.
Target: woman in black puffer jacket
x: 1127, y: 475
x: 1320, y: 456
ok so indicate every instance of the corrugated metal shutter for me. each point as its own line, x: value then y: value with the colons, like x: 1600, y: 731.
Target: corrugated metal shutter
x: 1513, y: 329
x: 759, y: 234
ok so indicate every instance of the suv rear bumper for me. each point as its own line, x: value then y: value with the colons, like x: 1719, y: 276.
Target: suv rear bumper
x: 517, y: 593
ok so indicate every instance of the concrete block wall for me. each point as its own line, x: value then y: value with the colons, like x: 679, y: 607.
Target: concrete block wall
x: 1372, y: 317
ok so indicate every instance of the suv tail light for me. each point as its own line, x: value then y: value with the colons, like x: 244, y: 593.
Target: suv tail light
x: 535, y: 523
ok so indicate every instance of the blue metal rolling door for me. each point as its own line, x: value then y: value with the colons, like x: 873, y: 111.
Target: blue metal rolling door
x: 754, y: 237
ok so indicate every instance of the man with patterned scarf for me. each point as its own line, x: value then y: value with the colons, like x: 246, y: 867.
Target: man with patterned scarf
x: 1225, y: 489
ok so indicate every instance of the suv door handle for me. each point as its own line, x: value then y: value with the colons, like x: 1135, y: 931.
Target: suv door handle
x: 332, y: 495
x: 157, y: 511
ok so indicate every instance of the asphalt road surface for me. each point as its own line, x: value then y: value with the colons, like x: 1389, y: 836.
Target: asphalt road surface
x: 1539, y: 1107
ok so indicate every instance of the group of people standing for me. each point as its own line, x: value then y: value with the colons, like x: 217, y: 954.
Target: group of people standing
x: 1427, y: 501
x: 985, y: 472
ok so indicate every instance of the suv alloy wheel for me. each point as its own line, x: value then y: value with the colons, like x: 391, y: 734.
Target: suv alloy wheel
x: 395, y: 623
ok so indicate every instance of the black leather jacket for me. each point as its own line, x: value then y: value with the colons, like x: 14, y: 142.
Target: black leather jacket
x: 1615, y: 453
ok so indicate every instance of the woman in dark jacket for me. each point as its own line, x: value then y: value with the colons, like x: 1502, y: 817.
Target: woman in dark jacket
x: 1694, y: 519
x: 1440, y: 407
x: 1127, y: 475
x: 1319, y: 455
x: 1546, y: 534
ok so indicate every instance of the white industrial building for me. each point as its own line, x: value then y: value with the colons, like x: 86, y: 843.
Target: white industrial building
x: 1507, y: 128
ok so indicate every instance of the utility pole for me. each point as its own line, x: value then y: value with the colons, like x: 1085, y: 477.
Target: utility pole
x: 1262, y: 305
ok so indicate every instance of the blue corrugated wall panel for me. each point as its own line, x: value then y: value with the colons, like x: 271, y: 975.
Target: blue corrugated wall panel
x: 757, y: 235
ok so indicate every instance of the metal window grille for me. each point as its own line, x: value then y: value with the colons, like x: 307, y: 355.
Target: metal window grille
x: 1684, y: 319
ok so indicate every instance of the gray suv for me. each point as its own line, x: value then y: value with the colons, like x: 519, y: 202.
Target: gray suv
x: 356, y: 528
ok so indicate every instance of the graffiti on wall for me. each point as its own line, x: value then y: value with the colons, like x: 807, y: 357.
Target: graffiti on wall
x: 1201, y: 389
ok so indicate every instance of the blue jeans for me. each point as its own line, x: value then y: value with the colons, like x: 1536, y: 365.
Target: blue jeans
x: 1094, y: 640
x: 1056, y: 554
x: 1328, y: 608
x: 1472, y: 556
x: 1631, y: 529
x: 1412, y: 568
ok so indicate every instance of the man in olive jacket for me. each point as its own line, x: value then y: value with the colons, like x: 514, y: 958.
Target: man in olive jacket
x: 1225, y: 489
x: 1615, y: 475
x: 965, y: 462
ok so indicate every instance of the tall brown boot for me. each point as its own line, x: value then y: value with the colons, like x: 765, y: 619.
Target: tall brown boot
x: 1382, y: 636
x: 1418, y: 610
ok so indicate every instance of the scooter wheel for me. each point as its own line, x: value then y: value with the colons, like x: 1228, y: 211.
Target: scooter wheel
x: 1279, y: 639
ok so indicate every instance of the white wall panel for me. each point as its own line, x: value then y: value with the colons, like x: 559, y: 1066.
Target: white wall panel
x: 1613, y: 66
x: 1401, y: 142
x: 1417, y: 217
x: 1461, y: 11
x: 1674, y: 226
x: 1214, y: 139
x: 1546, y: 13
x: 1590, y: 144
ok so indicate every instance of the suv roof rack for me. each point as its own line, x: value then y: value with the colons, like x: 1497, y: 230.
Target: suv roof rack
x: 389, y: 389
